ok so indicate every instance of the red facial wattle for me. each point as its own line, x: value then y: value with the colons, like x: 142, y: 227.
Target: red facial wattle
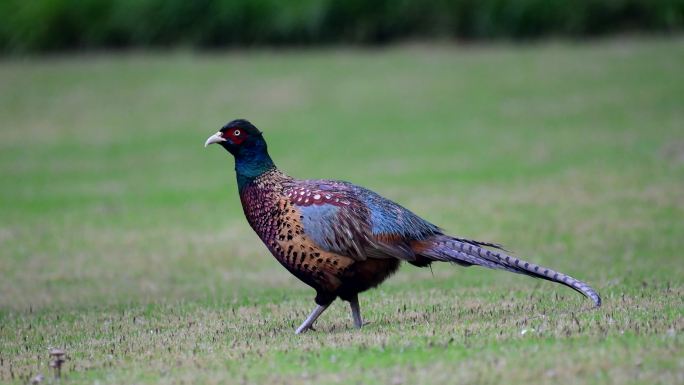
x: 236, y: 136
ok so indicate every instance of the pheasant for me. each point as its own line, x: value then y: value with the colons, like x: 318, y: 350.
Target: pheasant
x: 342, y: 239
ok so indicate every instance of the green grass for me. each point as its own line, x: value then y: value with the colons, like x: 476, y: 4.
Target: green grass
x: 122, y: 239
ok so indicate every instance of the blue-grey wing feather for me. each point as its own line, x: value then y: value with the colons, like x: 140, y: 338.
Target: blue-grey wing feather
x: 366, y: 226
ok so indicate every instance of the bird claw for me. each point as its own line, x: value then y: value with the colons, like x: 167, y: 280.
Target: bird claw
x: 304, y: 330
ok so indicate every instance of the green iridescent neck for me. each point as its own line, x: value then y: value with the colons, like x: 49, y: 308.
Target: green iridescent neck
x: 252, y: 162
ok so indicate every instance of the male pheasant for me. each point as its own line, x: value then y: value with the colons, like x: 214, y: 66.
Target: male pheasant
x: 342, y: 239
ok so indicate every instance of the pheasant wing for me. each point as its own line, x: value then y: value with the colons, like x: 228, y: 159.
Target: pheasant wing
x: 350, y: 220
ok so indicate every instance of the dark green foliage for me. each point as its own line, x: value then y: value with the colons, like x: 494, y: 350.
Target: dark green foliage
x: 43, y: 25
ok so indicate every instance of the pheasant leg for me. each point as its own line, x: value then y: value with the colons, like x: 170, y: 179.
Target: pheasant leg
x: 356, y: 312
x: 309, y: 321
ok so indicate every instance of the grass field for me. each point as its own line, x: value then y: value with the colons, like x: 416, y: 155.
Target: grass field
x: 122, y: 239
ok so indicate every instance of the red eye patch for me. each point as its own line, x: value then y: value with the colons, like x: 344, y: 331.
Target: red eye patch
x: 235, y: 135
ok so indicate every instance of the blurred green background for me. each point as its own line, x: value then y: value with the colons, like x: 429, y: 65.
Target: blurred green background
x: 122, y: 239
x: 49, y: 25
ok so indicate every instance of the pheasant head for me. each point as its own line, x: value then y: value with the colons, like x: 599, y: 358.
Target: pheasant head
x: 246, y: 143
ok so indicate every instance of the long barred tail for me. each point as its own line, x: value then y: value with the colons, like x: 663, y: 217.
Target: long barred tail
x: 467, y: 252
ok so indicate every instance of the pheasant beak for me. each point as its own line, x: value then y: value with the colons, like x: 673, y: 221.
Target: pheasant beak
x: 216, y: 138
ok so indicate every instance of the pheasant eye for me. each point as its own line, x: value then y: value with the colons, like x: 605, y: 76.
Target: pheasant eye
x: 236, y: 132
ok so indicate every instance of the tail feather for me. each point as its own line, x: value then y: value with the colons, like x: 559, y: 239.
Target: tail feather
x: 480, y: 243
x: 466, y: 252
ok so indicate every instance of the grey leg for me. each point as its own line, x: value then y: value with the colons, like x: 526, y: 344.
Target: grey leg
x: 356, y: 312
x: 309, y: 321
